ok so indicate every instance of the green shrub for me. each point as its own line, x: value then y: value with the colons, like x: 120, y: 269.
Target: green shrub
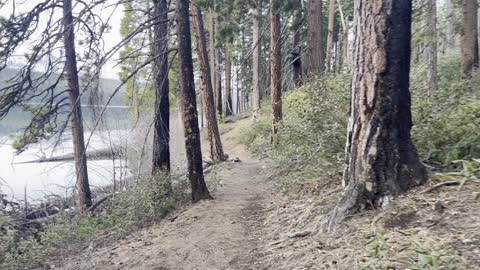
x: 315, y: 122
x: 7, y: 242
x: 256, y: 136
x: 447, y: 127
x: 147, y: 201
x: 313, y: 128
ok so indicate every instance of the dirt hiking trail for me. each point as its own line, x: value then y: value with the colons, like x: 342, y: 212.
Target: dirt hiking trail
x: 216, y: 234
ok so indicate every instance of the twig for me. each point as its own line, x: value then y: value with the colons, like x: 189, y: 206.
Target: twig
x: 439, y: 185
x: 97, y: 204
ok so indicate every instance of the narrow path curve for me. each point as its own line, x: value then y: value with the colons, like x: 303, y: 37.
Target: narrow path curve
x: 217, y: 234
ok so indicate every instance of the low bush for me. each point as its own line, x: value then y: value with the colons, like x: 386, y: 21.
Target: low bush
x: 312, y: 133
x: 446, y: 126
x: 144, y: 202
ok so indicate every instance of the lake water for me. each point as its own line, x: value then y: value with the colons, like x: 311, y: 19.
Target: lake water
x: 58, y: 178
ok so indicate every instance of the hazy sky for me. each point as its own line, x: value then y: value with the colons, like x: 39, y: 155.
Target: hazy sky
x: 109, y: 9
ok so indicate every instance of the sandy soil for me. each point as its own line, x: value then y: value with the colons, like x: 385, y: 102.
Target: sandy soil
x: 217, y: 234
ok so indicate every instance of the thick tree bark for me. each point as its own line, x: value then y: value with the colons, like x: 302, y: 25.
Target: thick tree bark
x: 297, y: 45
x: 381, y: 159
x: 469, y: 37
x: 276, y: 65
x: 212, y: 49
x: 256, y: 93
x: 218, y: 84
x: 189, y: 104
x: 202, y: 116
x: 161, y: 137
x: 228, y: 82
x: 331, y: 16
x: 216, y: 149
x: 314, y: 28
x: 84, y: 197
x: 432, y: 47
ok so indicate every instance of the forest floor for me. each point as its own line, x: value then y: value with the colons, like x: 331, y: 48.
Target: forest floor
x: 215, y: 234
x: 255, y: 223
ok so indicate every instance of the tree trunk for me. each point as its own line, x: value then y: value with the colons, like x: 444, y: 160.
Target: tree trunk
x: 380, y: 156
x: 216, y: 149
x: 469, y: 37
x: 339, y: 52
x: 256, y: 93
x: 218, y: 83
x: 331, y: 16
x: 202, y: 115
x: 228, y: 82
x: 345, y: 27
x: 212, y: 49
x: 432, y: 48
x: 239, y: 98
x: 276, y: 65
x: 297, y: 45
x: 161, y: 137
x: 450, y: 35
x: 84, y: 197
x: 314, y: 42
x: 189, y: 104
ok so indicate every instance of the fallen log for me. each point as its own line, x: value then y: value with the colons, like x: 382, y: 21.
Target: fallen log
x: 101, y: 154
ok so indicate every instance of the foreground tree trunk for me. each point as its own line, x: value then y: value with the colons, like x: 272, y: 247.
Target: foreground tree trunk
x: 84, y: 197
x: 331, y: 16
x: 470, y: 37
x: 381, y: 158
x: 161, y: 137
x: 276, y: 65
x: 216, y: 149
x: 228, y: 82
x: 432, y: 47
x: 189, y: 104
x: 314, y: 42
x: 256, y: 50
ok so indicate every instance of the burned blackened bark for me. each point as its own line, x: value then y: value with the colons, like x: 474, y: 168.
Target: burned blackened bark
x: 161, y: 138
x: 314, y: 40
x: 469, y: 37
x: 276, y: 65
x: 331, y: 14
x: 256, y: 50
x: 189, y: 104
x: 381, y: 159
x: 297, y: 43
x: 216, y: 149
x: 228, y: 82
x: 84, y: 197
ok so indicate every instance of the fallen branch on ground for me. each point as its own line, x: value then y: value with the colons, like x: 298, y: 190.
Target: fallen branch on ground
x: 439, y: 185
